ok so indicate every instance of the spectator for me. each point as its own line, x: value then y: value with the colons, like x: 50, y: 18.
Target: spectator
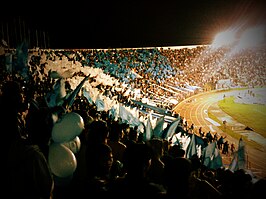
x: 225, y: 147
x: 177, y: 175
x: 136, y: 182
x: 27, y: 173
x: 155, y: 173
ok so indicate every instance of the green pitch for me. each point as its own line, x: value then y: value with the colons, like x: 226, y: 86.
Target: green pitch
x: 252, y: 115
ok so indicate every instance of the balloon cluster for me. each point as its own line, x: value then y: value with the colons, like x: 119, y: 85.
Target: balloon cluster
x: 65, y: 144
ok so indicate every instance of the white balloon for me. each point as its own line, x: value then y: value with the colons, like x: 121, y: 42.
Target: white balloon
x: 62, y: 160
x: 73, y: 145
x: 68, y: 127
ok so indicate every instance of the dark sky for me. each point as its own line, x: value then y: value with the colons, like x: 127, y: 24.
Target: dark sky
x: 138, y: 23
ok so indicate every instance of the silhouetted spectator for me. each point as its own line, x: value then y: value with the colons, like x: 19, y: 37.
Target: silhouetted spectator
x: 135, y: 183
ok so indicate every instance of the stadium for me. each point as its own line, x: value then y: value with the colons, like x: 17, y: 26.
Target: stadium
x: 201, y: 103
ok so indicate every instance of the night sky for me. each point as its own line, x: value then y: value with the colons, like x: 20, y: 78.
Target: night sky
x: 135, y: 23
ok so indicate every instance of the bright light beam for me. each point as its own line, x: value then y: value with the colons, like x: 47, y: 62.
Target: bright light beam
x: 224, y: 38
x: 251, y: 38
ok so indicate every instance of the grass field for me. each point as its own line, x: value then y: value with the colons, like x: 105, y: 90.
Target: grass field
x: 252, y: 115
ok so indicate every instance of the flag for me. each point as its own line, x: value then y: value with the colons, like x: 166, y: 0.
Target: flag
x: 211, y: 156
x: 127, y: 117
x: 57, y: 94
x: 171, y: 129
x: 241, y: 155
x: 233, y: 164
x: 239, y: 158
x: 71, y: 98
x: 54, y: 74
x: 200, y: 141
x: 148, y: 133
x: 113, y: 112
x: 87, y: 95
x: 158, y: 129
x: 99, y: 103
x: 20, y: 63
x: 192, y: 148
x: 175, y: 141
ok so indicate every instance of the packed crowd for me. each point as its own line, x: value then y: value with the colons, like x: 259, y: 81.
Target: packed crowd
x: 114, y: 159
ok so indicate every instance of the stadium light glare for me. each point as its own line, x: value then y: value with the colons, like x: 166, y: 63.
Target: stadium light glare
x: 251, y: 38
x: 224, y: 38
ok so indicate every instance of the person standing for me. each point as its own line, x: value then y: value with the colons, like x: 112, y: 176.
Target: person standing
x: 26, y: 172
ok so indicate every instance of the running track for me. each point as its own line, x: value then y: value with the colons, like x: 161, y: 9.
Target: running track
x: 195, y: 110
